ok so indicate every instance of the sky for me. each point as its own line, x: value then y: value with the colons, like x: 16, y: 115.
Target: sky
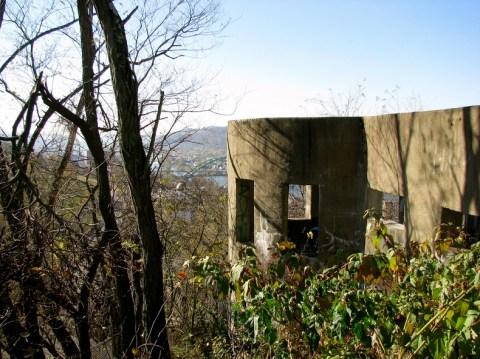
x: 276, y: 54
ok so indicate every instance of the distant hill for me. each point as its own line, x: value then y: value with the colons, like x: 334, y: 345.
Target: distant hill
x: 208, y: 140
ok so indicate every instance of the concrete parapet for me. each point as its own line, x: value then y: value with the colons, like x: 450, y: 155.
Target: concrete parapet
x: 430, y: 159
x: 325, y: 153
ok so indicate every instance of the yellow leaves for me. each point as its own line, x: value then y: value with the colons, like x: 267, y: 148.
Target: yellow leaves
x: 59, y: 246
x: 36, y: 269
x: 126, y: 244
x: 425, y: 246
x: 449, y: 316
x: 378, y: 231
x: 285, y: 246
x: 376, y: 241
x: 130, y: 245
x: 369, y: 269
x: 393, y: 264
x: 59, y: 243
x: 108, y: 271
x: 442, y: 246
x: 409, y: 328
x: 397, y: 262
x: 135, y: 352
x: 297, y: 277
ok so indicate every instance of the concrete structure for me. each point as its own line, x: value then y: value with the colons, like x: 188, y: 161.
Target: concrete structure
x: 430, y: 159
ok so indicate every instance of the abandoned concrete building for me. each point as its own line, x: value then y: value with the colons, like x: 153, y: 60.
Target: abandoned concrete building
x: 429, y: 161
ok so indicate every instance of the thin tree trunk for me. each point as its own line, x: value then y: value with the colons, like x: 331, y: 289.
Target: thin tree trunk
x: 126, y: 320
x: 17, y: 345
x: 53, y: 196
x: 62, y: 334
x: 109, y: 236
x: 31, y: 322
x: 138, y: 173
x: 137, y: 277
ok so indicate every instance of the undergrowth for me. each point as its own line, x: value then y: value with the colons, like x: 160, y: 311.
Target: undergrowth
x: 419, y: 303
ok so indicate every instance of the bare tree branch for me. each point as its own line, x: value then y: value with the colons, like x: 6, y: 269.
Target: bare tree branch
x: 2, y: 11
x: 155, y: 127
x: 32, y: 41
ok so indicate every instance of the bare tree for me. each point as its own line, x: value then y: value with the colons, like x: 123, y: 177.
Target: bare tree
x: 393, y: 102
x: 353, y: 102
x: 125, y: 86
x: 342, y: 104
x: 122, y: 98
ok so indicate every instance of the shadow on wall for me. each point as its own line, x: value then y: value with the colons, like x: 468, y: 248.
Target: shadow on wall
x: 273, y: 153
x: 471, y: 188
x: 252, y: 222
x: 430, y: 159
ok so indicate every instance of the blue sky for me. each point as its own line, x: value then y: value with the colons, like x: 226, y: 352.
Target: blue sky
x: 278, y: 53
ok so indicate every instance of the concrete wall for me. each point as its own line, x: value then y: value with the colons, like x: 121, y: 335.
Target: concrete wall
x: 430, y: 158
x: 328, y: 152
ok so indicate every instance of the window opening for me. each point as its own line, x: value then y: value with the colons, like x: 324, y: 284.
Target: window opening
x: 244, y: 211
x: 393, y: 207
x: 472, y: 225
x: 469, y: 222
x: 303, y: 209
x: 296, y: 201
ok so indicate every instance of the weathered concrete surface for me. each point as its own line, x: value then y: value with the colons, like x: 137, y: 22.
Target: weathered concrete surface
x: 431, y: 158
x: 328, y: 152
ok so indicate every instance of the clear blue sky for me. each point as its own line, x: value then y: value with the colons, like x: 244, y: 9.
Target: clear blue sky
x: 277, y: 53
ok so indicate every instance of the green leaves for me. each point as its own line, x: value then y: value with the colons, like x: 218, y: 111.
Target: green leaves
x: 381, y: 305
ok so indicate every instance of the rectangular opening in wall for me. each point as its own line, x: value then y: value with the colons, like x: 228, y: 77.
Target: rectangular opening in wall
x: 303, y: 201
x: 469, y: 222
x: 472, y: 225
x: 296, y: 201
x: 450, y: 216
x: 303, y: 209
x: 244, y: 225
x: 393, y: 207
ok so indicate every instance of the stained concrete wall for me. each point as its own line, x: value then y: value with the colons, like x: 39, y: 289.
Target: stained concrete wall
x: 328, y: 152
x: 430, y: 158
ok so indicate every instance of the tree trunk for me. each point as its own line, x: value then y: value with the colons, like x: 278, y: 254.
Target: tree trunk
x: 57, y: 181
x: 138, y: 290
x: 138, y: 173
x: 17, y: 345
x: 126, y: 320
x: 63, y: 335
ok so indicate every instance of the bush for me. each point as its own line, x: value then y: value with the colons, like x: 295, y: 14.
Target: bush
x: 382, y: 305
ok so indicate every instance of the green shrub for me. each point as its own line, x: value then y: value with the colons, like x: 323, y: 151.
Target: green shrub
x: 383, y: 305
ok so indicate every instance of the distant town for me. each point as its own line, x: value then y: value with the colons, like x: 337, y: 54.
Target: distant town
x: 203, y: 154
x: 205, y: 165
